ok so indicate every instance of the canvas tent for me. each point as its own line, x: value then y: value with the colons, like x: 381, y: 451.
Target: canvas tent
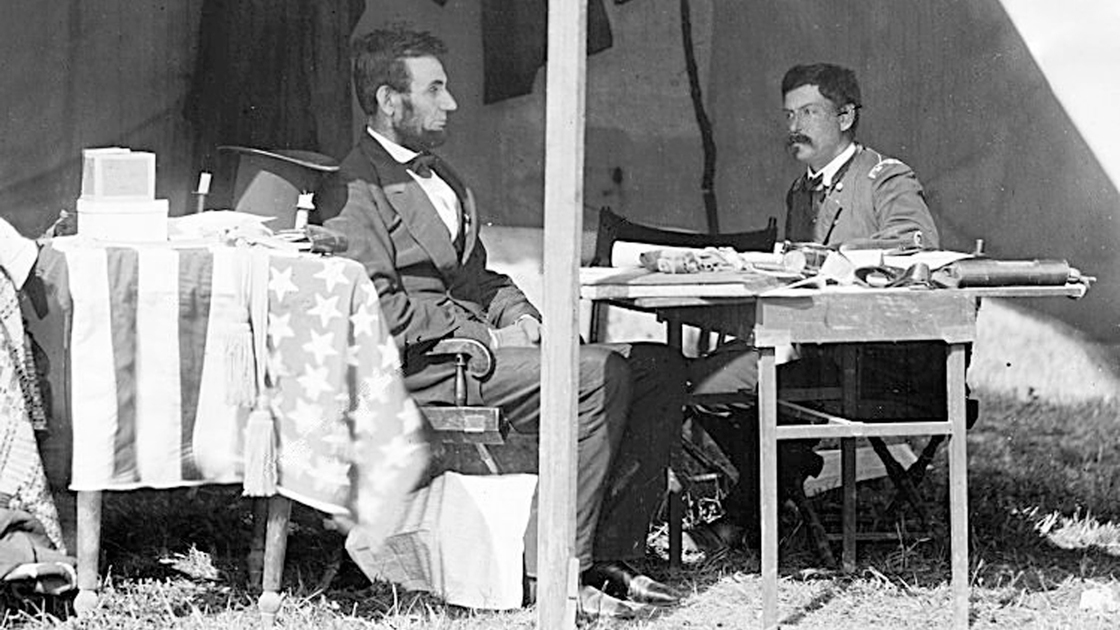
x: 998, y: 110
x: 1000, y: 106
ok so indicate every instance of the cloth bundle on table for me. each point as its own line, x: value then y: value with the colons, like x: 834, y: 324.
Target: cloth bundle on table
x: 158, y: 373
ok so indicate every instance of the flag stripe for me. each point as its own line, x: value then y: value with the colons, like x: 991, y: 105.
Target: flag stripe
x: 124, y: 282
x: 196, y: 272
x: 158, y: 416
x: 93, y: 385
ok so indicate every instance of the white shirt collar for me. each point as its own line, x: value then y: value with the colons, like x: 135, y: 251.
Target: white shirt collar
x: 829, y: 171
x: 439, y: 192
x: 401, y: 154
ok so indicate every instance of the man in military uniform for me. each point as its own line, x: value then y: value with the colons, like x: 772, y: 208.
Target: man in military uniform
x: 849, y: 195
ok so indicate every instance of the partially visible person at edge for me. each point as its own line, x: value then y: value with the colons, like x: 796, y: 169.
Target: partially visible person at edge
x: 849, y: 194
x: 412, y: 222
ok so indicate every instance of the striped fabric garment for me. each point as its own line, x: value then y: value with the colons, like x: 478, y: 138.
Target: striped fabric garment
x: 161, y: 385
x: 23, y: 482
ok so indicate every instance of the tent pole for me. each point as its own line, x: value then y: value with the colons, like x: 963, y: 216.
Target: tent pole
x: 707, y: 182
x: 565, y: 121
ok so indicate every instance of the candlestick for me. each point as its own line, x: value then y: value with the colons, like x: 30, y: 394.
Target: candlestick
x: 303, y: 207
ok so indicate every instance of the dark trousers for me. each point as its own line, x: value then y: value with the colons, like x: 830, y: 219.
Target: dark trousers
x: 629, y: 415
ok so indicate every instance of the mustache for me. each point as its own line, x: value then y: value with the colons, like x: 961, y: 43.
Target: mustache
x: 798, y: 138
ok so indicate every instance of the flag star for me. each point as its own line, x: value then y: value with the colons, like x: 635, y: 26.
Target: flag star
x: 296, y: 455
x: 307, y: 417
x: 322, y: 346
x: 279, y: 327
x: 375, y: 387
x: 339, y: 444
x: 354, y: 355
x: 364, y: 421
x: 409, y: 416
x: 325, y: 309
x: 395, y: 457
x: 329, y: 474
x: 314, y: 382
x: 362, y: 319
x: 281, y: 283
x: 276, y: 366
x: 364, y: 291
x: 390, y: 355
x: 342, y: 400
x: 333, y: 273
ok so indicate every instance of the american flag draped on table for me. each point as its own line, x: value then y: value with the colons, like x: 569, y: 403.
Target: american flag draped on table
x: 157, y: 337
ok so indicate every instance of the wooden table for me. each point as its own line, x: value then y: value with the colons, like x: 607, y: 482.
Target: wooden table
x: 158, y: 379
x: 750, y: 307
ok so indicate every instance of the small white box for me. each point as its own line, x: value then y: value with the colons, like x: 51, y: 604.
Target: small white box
x: 118, y: 173
x: 127, y: 221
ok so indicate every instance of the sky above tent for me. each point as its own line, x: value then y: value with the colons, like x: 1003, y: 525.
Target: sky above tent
x: 1075, y: 44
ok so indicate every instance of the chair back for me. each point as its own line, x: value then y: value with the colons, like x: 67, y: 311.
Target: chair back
x: 613, y: 228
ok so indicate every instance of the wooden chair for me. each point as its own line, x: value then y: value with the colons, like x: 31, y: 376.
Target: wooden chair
x: 613, y: 228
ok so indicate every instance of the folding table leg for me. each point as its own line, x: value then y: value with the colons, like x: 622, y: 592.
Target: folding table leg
x: 254, y: 562
x: 89, y: 551
x: 848, y: 509
x: 849, y: 364
x: 768, y: 476
x: 275, y: 546
x: 958, y: 482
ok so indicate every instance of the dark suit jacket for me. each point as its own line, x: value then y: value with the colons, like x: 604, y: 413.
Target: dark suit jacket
x: 427, y: 292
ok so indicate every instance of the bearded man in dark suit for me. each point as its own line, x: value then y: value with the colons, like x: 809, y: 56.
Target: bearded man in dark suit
x: 413, y: 223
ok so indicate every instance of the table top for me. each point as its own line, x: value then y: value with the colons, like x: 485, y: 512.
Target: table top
x: 765, y: 310
x: 648, y: 289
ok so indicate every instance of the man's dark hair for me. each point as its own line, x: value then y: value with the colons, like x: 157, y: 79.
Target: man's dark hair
x: 835, y: 83
x: 378, y: 59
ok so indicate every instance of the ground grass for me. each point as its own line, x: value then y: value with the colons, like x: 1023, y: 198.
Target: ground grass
x: 1045, y: 531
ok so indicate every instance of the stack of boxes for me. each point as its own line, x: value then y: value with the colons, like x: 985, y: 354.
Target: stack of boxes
x: 118, y: 200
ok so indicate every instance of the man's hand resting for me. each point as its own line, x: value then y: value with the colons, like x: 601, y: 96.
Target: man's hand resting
x: 524, y: 333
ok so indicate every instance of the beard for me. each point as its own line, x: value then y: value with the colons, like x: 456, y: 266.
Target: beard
x: 411, y: 133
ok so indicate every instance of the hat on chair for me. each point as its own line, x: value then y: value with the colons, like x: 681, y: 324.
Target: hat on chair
x: 269, y: 182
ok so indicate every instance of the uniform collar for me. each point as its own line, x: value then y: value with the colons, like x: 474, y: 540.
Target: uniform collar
x: 832, y: 168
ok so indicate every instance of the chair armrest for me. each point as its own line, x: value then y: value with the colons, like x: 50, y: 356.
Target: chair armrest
x: 459, y: 423
x: 479, y: 359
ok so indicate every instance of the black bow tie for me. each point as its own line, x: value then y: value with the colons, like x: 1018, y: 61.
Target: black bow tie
x: 422, y: 164
x: 809, y: 184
